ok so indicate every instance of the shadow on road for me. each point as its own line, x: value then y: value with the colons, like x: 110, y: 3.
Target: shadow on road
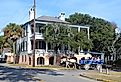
x: 23, y: 74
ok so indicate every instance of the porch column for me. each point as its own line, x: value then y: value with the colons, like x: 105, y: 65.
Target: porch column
x: 79, y: 46
x: 88, y: 33
x: 79, y: 29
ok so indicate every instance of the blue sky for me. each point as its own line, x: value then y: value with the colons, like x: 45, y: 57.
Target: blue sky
x: 17, y: 10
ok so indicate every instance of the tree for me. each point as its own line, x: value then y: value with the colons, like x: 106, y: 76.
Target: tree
x: 101, y: 31
x: 81, y: 41
x: 62, y: 35
x: 116, y: 50
x: 1, y: 43
x: 56, y: 35
x: 12, y: 32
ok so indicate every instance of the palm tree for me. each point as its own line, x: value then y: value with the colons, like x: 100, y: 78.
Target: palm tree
x: 1, y: 43
x: 12, y: 32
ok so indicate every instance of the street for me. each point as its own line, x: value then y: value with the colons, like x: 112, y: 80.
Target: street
x: 17, y: 74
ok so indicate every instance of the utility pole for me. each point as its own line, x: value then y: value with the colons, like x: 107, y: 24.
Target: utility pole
x: 34, y: 34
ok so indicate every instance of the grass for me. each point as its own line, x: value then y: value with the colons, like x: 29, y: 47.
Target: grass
x: 52, y: 67
x: 111, y: 77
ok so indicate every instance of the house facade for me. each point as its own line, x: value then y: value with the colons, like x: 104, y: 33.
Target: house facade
x: 24, y: 45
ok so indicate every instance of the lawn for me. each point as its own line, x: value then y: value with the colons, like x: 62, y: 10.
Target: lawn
x: 52, y: 67
x: 113, y: 76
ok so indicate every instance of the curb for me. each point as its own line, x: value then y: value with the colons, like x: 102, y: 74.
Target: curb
x: 97, y: 79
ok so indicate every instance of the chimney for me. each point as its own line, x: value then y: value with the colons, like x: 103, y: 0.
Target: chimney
x: 31, y: 14
x: 62, y: 16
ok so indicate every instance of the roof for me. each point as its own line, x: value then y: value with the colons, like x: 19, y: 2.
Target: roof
x: 51, y: 19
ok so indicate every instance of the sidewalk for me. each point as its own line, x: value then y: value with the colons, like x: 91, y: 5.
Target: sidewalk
x: 113, y: 76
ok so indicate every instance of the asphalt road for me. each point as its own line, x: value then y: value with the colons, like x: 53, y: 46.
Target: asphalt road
x: 16, y: 74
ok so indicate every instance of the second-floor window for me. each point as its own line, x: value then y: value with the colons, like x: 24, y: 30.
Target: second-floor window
x: 25, y: 43
x: 39, y: 28
x: 24, y: 33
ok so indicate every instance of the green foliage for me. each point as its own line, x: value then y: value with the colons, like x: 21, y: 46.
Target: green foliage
x: 58, y: 34
x: 101, y: 31
x: 81, y: 40
x: 1, y: 40
x: 117, y: 62
x: 117, y: 47
x: 1, y: 43
x: 12, y: 32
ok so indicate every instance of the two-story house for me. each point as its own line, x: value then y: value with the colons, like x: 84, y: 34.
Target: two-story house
x: 24, y: 45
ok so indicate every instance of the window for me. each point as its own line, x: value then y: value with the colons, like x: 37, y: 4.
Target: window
x: 43, y: 44
x: 39, y: 28
x: 19, y: 49
x: 23, y: 46
x: 37, y: 44
x: 40, y: 44
x: 26, y: 46
x: 25, y: 58
x: 23, y: 32
x: 31, y: 44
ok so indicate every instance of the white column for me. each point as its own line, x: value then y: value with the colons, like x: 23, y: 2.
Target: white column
x: 46, y: 47
x: 28, y: 39
x: 88, y: 33
x: 79, y: 46
x: 78, y: 29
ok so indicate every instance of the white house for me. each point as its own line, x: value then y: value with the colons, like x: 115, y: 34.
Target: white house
x: 24, y: 45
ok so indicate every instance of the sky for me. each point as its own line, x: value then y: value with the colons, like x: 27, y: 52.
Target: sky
x: 17, y: 11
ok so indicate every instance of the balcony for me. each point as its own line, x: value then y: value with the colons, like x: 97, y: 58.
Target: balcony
x: 37, y: 36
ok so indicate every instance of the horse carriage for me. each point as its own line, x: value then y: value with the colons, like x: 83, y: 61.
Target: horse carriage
x: 89, y: 60
x: 96, y: 61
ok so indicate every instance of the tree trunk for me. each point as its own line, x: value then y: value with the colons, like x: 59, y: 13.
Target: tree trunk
x: 55, y: 54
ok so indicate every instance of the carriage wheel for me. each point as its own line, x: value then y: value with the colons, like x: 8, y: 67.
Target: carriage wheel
x: 86, y: 67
